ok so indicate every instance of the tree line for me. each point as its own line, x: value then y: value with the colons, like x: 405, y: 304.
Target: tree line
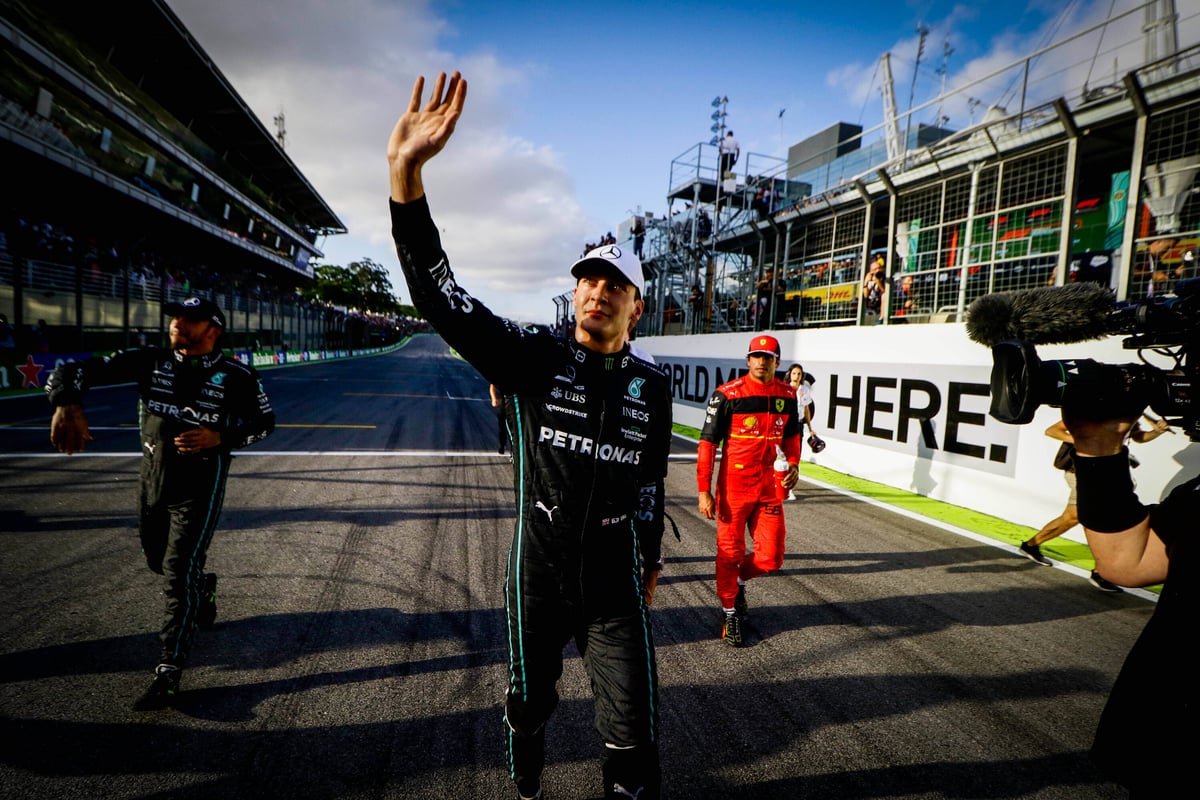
x: 363, y: 285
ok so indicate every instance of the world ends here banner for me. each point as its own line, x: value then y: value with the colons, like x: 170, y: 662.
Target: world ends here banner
x: 926, y: 410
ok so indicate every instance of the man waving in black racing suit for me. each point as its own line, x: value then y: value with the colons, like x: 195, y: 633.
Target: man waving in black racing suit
x: 591, y: 426
x: 195, y: 406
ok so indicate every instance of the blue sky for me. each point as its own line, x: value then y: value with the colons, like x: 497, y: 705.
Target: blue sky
x: 576, y: 110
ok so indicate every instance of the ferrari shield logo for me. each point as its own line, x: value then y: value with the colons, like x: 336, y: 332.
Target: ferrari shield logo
x: 779, y: 403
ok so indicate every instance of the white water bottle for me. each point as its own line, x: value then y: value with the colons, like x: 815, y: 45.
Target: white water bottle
x: 781, y: 471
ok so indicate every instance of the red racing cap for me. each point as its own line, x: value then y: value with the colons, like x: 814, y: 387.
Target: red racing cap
x: 768, y: 345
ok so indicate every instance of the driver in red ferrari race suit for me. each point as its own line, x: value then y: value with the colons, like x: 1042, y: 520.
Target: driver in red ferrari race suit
x: 753, y: 415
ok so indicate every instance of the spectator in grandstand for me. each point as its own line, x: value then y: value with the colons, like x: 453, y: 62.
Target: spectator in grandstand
x: 731, y: 313
x: 762, y: 202
x: 1187, y: 266
x: 762, y: 291
x: 755, y: 416
x: 874, y: 288
x: 41, y: 337
x: 1153, y: 270
x: 772, y: 291
x: 196, y: 406
x: 704, y: 226
x: 696, y: 309
x: 904, y: 298
x: 7, y: 341
x: 729, y: 154
x: 639, y: 236
x: 1069, y: 518
x: 138, y: 279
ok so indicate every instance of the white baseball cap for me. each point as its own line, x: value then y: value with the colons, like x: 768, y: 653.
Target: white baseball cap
x: 619, y: 259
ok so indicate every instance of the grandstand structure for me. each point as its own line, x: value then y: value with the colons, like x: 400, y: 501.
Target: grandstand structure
x: 1061, y: 180
x: 137, y: 175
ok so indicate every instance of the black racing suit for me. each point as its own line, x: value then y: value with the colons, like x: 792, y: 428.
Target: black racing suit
x: 181, y: 494
x: 591, y: 433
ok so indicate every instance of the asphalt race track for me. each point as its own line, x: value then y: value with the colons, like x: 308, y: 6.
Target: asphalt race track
x: 359, y: 651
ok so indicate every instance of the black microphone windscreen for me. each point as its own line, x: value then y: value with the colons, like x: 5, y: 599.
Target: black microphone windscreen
x: 1076, y: 312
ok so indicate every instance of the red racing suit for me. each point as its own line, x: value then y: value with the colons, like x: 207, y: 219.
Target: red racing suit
x: 752, y: 418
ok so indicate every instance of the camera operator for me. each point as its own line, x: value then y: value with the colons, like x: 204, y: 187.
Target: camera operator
x: 1145, y: 736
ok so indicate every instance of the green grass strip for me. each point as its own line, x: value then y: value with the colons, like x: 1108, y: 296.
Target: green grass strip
x: 1000, y: 530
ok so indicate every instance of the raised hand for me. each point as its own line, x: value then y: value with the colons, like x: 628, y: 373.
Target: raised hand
x: 421, y: 133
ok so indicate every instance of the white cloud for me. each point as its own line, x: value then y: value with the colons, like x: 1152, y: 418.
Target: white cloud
x: 856, y: 80
x: 342, y: 73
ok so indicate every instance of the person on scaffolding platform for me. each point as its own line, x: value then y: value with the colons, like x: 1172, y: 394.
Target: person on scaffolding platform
x: 729, y: 155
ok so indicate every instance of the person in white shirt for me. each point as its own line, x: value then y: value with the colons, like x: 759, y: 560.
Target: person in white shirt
x: 729, y: 153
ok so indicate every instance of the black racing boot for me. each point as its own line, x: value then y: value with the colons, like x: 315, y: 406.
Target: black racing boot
x: 739, y: 603
x: 162, y: 691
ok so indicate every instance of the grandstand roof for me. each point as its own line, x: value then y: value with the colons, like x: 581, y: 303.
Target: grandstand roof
x: 151, y: 47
